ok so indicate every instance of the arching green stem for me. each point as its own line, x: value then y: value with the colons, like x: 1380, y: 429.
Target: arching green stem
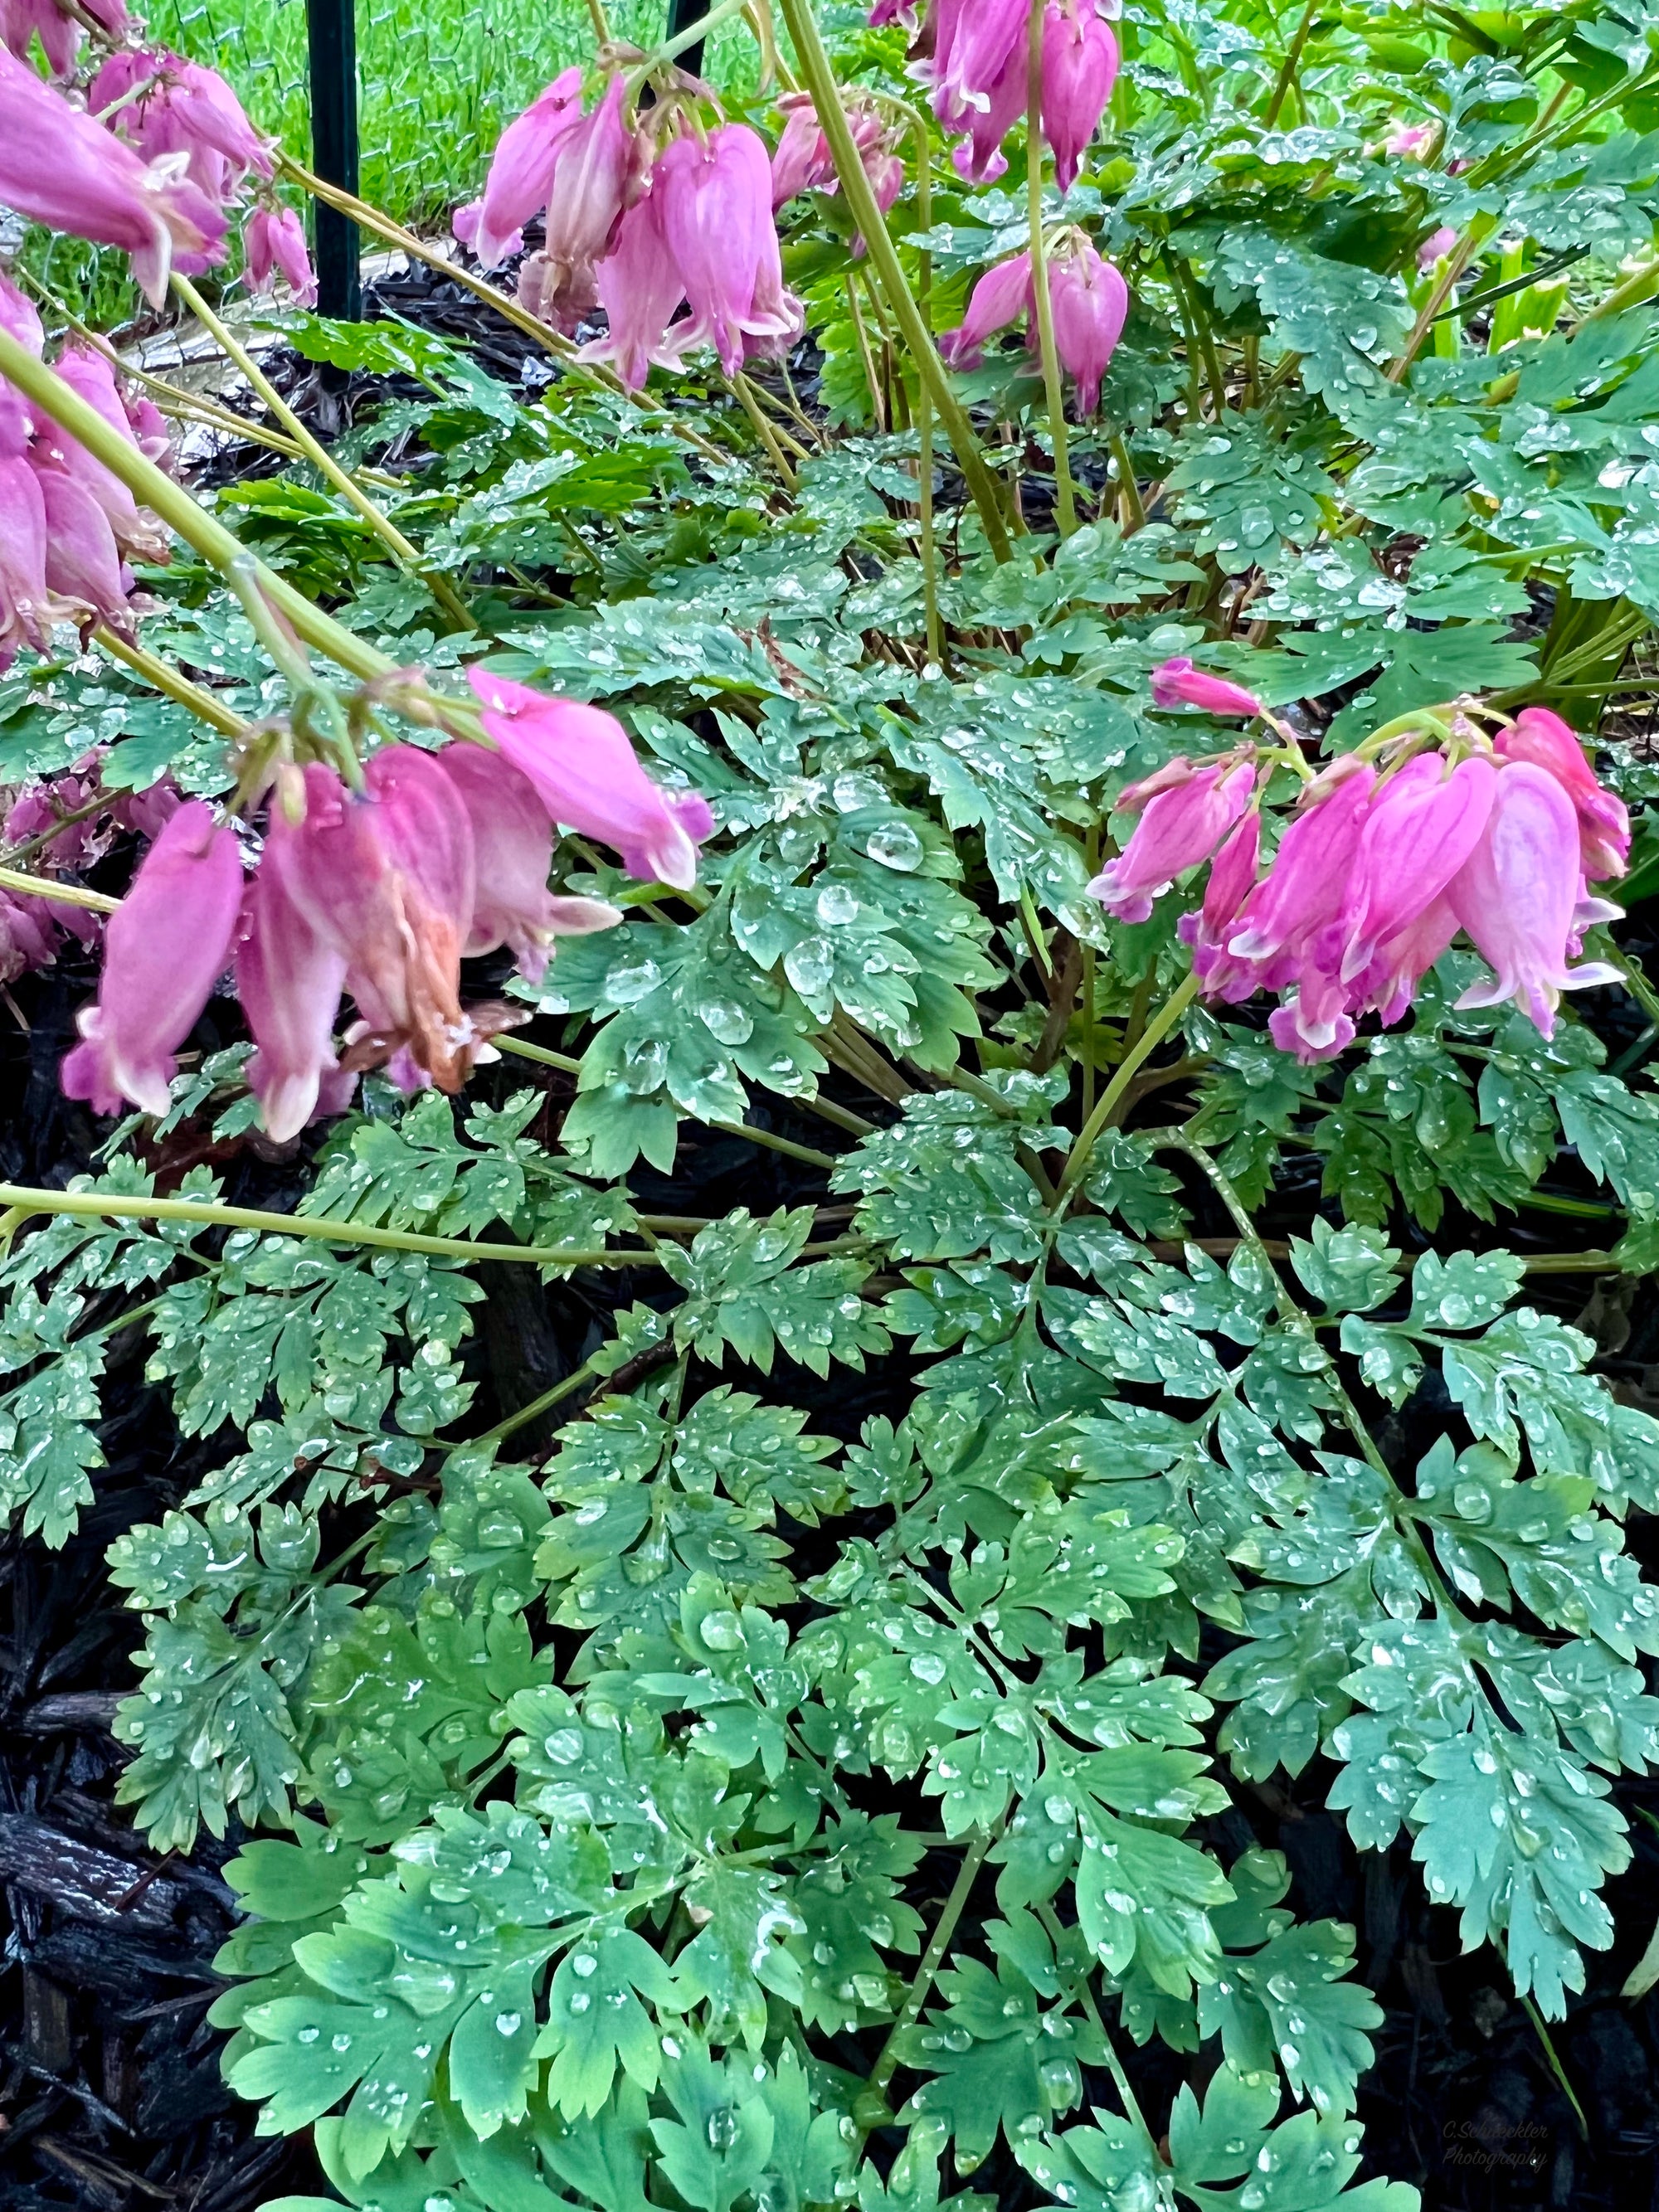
x: 820, y: 82
x: 1053, y: 386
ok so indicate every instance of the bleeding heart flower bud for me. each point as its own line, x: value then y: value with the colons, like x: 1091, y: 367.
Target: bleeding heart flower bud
x: 164, y: 105
x: 165, y: 946
x: 640, y: 289
x: 1515, y: 897
x: 274, y: 241
x: 89, y: 373
x: 83, y: 562
x: 1177, y: 684
x: 1177, y: 828
x: 714, y: 210
x: 289, y: 977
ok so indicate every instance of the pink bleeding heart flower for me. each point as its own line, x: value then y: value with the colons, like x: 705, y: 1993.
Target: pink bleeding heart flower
x: 274, y: 243
x: 1302, y: 892
x: 28, y: 934
x: 598, y: 170
x: 521, y: 171
x: 1079, y: 68
x: 165, y: 946
x: 163, y: 105
x: 1090, y: 303
x: 1001, y: 296
x: 59, y: 168
x: 976, y: 46
x: 1436, y: 246
x: 90, y: 373
x: 512, y: 838
x: 1517, y: 894
x: 29, y: 608
x: 1176, y: 683
x: 289, y: 977
x: 801, y: 160
x: 640, y: 289
x: 1232, y: 878
x: 386, y: 877
x: 1422, y: 824
x: 585, y: 774
x: 83, y: 562
x: 978, y: 157
x: 1538, y: 736
x: 715, y: 210
x: 1177, y: 828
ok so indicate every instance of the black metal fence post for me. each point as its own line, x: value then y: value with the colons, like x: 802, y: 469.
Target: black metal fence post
x: 332, y: 29
x: 682, y: 15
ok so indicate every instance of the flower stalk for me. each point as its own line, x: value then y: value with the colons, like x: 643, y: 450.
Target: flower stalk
x: 407, y: 556
x: 1054, y: 390
x: 200, y: 531
x: 819, y: 80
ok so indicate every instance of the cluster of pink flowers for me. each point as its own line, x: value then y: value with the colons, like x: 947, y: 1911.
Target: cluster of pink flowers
x: 377, y: 893
x: 1383, y: 864
x: 1087, y: 297
x: 68, y: 525
x: 639, y: 228
x: 973, y: 54
x: 802, y: 162
x: 150, y: 163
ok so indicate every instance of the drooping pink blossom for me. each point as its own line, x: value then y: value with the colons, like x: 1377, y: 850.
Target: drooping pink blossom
x: 521, y: 171
x: 385, y: 879
x: 164, y: 106
x: 165, y: 946
x: 1515, y: 897
x: 1422, y: 824
x: 598, y: 170
x: 1413, y: 142
x: 83, y: 562
x: 585, y: 773
x: 59, y: 168
x: 1089, y: 301
x: 28, y: 607
x: 274, y: 243
x: 1176, y: 683
x: 640, y: 288
x: 1543, y: 737
x: 1232, y: 877
x: 1079, y: 68
x: 289, y: 978
x: 714, y: 210
x: 513, y: 839
x: 1302, y: 892
x: 90, y: 373
x: 801, y: 160
x: 1001, y: 296
x: 977, y: 43
x: 1177, y: 828
x: 977, y: 156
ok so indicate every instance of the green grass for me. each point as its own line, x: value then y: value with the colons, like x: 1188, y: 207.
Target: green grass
x: 438, y: 81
